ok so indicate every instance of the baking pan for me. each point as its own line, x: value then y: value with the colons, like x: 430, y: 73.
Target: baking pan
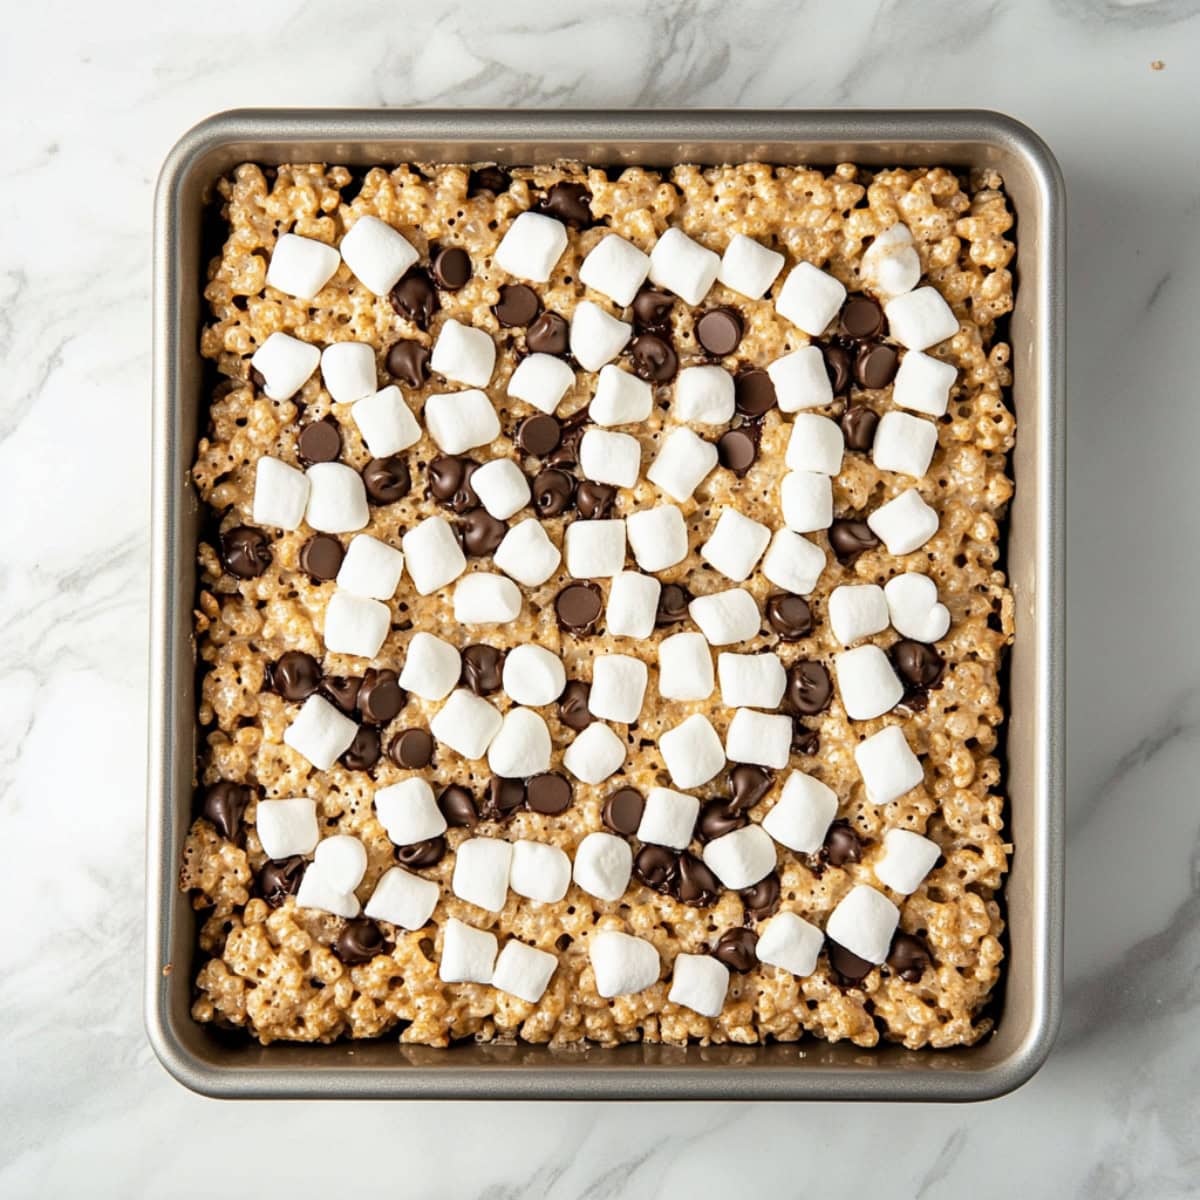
x: 1029, y: 1002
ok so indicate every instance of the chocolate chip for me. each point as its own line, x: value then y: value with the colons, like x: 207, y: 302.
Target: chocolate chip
x: 419, y: 855
x: 842, y: 845
x: 717, y: 818
x: 487, y: 179
x: 909, y: 957
x: 321, y: 556
x: 553, y: 492
x: 862, y: 318
x: 451, y: 268
x: 450, y: 482
x: 296, y: 675
x: 762, y: 899
x: 673, y: 603
x: 481, y: 533
x: 518, y: 305
x: 481, y: 669
x: 503, y: 798
x: 548, y: 793
x: 567, y: 451
x: 652, y: 310
x: 549, y: 334
x: 849, y: 539
x: 654, y: 358
x: 837, y: 367
x: 849, y: 966
x: 656, y: 867
x: 245, y: 552
x: 749, y: 784
x: 595, y: 500
x: 258, y: 378
x: 736, y: 949
x: 409, y: 362
x: 224, y: 805
x: 858, y: 427
x: 573, y: 709
x: 569, y: 203
x: 538, y: 435
x: 414, y: 298
x: 809, y: 688
x: 412, y: 749
x: 458, y: 806
x: 789, y: 616
x: 280, y: 878
x: 319, y: 441
x: 343, y: 691
x: 737, y: 449
x: 360, y: 942
x: 753, y: 393
x: 720, y: 331
x: 386, y: 479
x: 875, y: 366
x: 804, y: 740
x: 364, y: 750
x: 696, y: 885
x: 917, y: 664
x: 578, y: 606
x: 622, y: 811
x: 380, y: 697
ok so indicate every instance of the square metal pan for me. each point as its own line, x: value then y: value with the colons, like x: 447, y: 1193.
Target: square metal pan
x: 1030, y: 1001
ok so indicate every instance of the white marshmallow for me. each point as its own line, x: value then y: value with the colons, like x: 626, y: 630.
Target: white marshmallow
x: 371, y: 568
x: 533, y: 675
x: 481, y: 867
x: 595, y: 754
x: 704, y: 395
x: 541, y: 380
x: 735, y: 545
x: 408, y: 811
x: 683, y: 266
x: 466, y: 723
x: 912, y: 600
x: 810, y: 298
x: 614, y: 458
x: 632, y: 605
x: 657, y: 536
x: 801, y: 380
x: 501, y: 487
x: 888, y: 766
x: 285, y: 363
x: 868, y: 685
x: 522, y: 747
x: 317, y: 892
x: 726, y: 617
x: 597, y: 337
x: 904, y: 524
x: 468, y: 955
x: 920, y: 319
x: 692, y: 752
x: 356, y: 625
x: 616, y: 268
x: 603, y: 864
x: 433, y: 555
x: 856, y: 611
x: 890, y: 264
x: 621, y: 398
x: 337, y: 500
x: 751, y: 680
x: 377, y: 254
x: 348, y: 371
x: 531, y: 247
x: 386, y: 422
x: 287, y: 827
x: 793, y: 562
x: 301, y: 266
x: 342, y: 859
x: 320, y: 733
x: 685, y: 670
x: 904, y: 444
x: 621, y: 963
x: 907, y: 859
x: 806, y: 499
x: 523, y: 971
x: 749, y: 267
x: 741, y: 858
x: 816, y: 444
x: 595, y: 549
x: 790, y: 942
x: 684, y: 459
x: 527, y: 553
x: 764, y: 739
x: 463, y: 354
x: 539, y: 871
x: 803, y: 813
x: 459, y: 421
x: 431, y: 667
x: 923, y: 384
x: 699, y: 982
x: 864, y: 923
x: 403, y: 899
x: 280, y: 494
x: 618, y: 688
x: 668, y: 818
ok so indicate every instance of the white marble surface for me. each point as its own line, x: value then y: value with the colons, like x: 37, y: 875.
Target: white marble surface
x: 91, y: 97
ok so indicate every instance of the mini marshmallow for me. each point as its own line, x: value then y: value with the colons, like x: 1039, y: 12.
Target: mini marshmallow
x: 856, y: 611
x: 301, y: 266
x: 342, y: 859
x: 386, y: 422
x: 541, y: 380
x: 868, y: 685
x: 692, y: 752
x: 348, y: 371
x: 616, y: 268
x: 603, y: 864
x: 923, y: 384
x: 751, y: 680
x: 806, y: 499
x: 904, y: 524
x: 683, y: 266
x: 408, y: 811
x: 431, y: 667
x: 810, y: 298
x: 464, y: 354
x: 685, y: 670
x: 403, y: 899
x: 459, y: 421
x: 657, y: 536
x: 790, y: 942
x: 618, y: 688
x: 533, y: 675
x: 764, y: 739
x: 816, y: 444
x: 684, y: 459
x: 632, y: 605
x: 596, y: 336
x: 595, y: 754
x: 355, y: 624
x: 699, y: 982
x: 481, y: 867
x: 377, y: 254
x: 793, y: 562
x: 337, y: 500
x: 433, y: 555
x: 468, y: 955
x: 317, y: 892
x: 371, y: 568
x: 287, y: 827
x: 280, y: 494
x: 668, y: 818
x: 704, y: 395
x: 320, y: 733
x: 539, y: 871
x: 890, y: 264
x: 803, y: 813
x: 595, y: 549
x: 888, y: 766
x: 527, y: 553
x: 531, y: 247
x: 741, y: 858
x: 801, y: 380
x: 522, y: 747
x: 864, y: 923
x: 621, y: 963
x: 920, y: 319
x: 501, y: 487
x: 606, y: 457
x: 907, y: 859
x: 912, y: 600
x: 466, y: 723
x: 523, y: 971
x: 621, y: 398
x: 735, y: 545
x: 749, y: 267
x: 285, y: 363
x: 904, y: 444
x: 726, y: 617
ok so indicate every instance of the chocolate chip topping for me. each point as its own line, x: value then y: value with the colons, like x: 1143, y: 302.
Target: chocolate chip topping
x: 360, y: 942
x: 553, y: 492
x: 804, y: 740
x: 548, y: 793
x: 573, y: 428
x: 837, y: 367
x: 409, y: 362
x: 412, y: 749
x: 809, y: 688
x: 320, y: 441
x: 917, y: 664
x: 502, y: 799
x: 380, y: 697
x: 343, y: 691
x: 419, y: 855
x: 656, y: 867
x: 518, y: 305
x: 720, y: 331
x: 673, y: 603
x: 451, y: 268
x: 622, y: 811
x: 245, y: 552
x: 458, y: 806
x: 754, y: 393
x: 848, y: 539
x: 386, y: 479
x: 481, y: 533
x: 762, y: 899
x: 481, y: 669
x: 569, y: 203
x: 749, y: 784
x: 875, y: 366
x: 321, y: 556
x: 717, y: 818
x: 414, y: 298
x: 862, y: 318
x: 296, y: 675
x: 224, y: 805
x: 737, y: 449
x: 595, y: 500
x: 789, y: 616
x: 696, y: 885
x: 849, y: 966
x: 578, y: 607
x: 364, y: 750
x: 858, y: 427
x: 279, y: 879
x: 450, y: 482
x: 909, y: 957
x: 652, y: 310
x: 654, y: 358
x: 842, y: 845
x: 736, y: 949
x: 549, y: 334
x: 538, y: 434
x: 573, y: 709
x: 487, y: 179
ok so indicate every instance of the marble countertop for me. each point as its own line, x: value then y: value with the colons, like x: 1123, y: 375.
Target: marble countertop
x: 87, y: 1109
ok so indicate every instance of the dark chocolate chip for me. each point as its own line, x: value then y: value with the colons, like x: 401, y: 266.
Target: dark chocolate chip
x: 809, y: 688
x: 364, y: 750
x: 737, y: 449
x: 224, y: 805
x: 549, y: 334
x: 412, y: 749
x: 749, y: 784
x: 673, y: 603
x: 245, y: 552
x: 450, y: 482
x: 654, y: 358
x: 578, y: 607
x: 652, y: 310
x: 481, y: 533
x: 387, y: 479
x: 875, y: 366
x: 573, y: 429
x: 568, y: 203
x: 420, y: 855
x: 849, y: 966
x: 280, y: 878
x: 762, y: 899
x: 380, y: 697
x: 548, y: 793
x: 754, y: 393
x: 573, y: 709
x: 409, y: 362
x: 321, y: 556
x: 296, y: 675
x: 842, y: 845
x: 538, y: 434
x: 789, y: 616
x: 917, y: 664
x: 909, y: 957
x: 837, y: 367
x: 862, y: 318
x: 258, y: 378
x: 736, y: 949
x: 487, y: 179
x: 858, y: 427
x: 804, y: 740
x: 343, y: 691
x: 518, y: 305
x: 720, y: 331
x: 503, y: 798
x: 320, y: 441
x: 622, y: 811
x: 553, y: 492
x: 451, y: 268
x: 595, y: 500
x: 848, y: 539
x: 414, y: 298
x: 360, y: 942
x: 717, y: 818
x: 458, y: 806
x: 656, y: 867
x: 696, y: 885
x: 481, y: 669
